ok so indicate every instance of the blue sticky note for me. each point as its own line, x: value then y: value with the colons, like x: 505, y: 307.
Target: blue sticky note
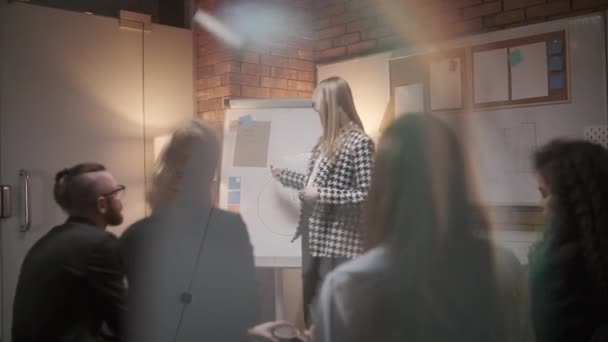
x: 515, y: 57
x: 245, y: 121
x: 234, y: 197
x: 556, y: 63
x: 557, y: 81
x: 555, y: 47
x: 234, y: 183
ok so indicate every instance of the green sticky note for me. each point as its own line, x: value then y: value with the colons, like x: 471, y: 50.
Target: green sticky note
x: 515, y: 57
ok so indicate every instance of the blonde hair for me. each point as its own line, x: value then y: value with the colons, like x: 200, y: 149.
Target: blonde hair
x: 333, y: 100
x: 171, y: 164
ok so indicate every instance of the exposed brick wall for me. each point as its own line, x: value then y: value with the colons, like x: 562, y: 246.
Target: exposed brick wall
x: 351, y: 28
x: 281, y: 67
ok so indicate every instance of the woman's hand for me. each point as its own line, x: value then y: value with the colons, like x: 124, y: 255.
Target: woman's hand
x: 265, y: 332
x: 276, y: 173
x: 310, y: 194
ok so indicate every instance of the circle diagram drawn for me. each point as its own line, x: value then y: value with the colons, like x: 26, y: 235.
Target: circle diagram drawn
x: 278, y: 208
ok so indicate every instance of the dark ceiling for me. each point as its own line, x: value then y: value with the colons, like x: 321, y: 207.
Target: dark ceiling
x: 166, y: 12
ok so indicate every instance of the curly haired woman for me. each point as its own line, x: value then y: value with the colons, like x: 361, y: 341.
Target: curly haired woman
x: 569, y: 266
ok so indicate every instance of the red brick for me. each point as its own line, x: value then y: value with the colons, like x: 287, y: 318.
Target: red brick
x: 279, y: 51
x: 356, y: 4
x: 584, y: 4
x: 465, y: 27
x: 461, y: 3
x: 546, y: 10
x: 300, y: 85
x: 378, y: 32
x: 255, y: 92
x: 304, y: 95
x: 212, y: 104
x: 332, y: 53
x: 306, y: 76
x: 250, y: 57
x: 361, y: 47
x: 505, y: 18
x: 361, y: 25
x: 283, y: 94
x: 305, y: 43
x: 347, y: 39
x: 330, y: 11
x: 255, y: 69
x: 482, y: 10
x: 283, y: 73
x: 205, y: 94
x: 224, y: 67
x: 277, y: 61
x: 389, y: 43
x: 324, y: 44
x: 331, y: 32
x: 514, y: 4
x: 238, y: 78
x: 299, y: 64
x: 345, y: 18
x: 324, y: 23
x: 307, y: 55
x: 271, y: 82
x: 205, y: 71
x: 226, y: 90
x: 208, y: 82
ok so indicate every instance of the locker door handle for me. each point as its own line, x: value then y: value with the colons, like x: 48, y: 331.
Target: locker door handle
x: 5, y: 201
x: 26, y: 220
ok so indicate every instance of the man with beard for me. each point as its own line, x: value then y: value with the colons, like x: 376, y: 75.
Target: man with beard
x: 71, y: 285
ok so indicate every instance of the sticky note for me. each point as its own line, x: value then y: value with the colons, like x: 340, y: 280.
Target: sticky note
x: 515, y: 57
x: 557, y: 81
x: 234, y: 183
x: 234, y: 197
x: 555, y: 47
x: 556, y: 63
x: 245, y: 121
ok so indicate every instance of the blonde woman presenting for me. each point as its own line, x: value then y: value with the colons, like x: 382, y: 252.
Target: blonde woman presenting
x: 334, y: 189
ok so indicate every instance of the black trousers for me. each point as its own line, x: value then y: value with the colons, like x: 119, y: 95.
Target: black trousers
x: 314, y: 270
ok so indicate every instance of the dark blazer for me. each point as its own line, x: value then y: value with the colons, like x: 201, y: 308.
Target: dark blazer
x: 565, y: 304
x: 191, y: 276
x: 71, y: 283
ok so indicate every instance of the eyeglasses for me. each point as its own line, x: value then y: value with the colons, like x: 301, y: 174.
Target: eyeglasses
x: 119, y: 191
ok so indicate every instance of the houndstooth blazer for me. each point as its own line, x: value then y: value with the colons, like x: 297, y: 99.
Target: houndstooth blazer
x: 343, y: 184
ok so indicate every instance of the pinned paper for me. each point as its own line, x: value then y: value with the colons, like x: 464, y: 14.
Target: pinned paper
x: 557, y: 81
x: 245, y: 121
x: 515, y: 57
x: 251, y: 149
x: 234, y: 183
x: 234, y: 197
x: 555, y: 47
x: 556, y: 63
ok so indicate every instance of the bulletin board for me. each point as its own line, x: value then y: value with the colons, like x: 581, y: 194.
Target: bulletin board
x: 519, y: 89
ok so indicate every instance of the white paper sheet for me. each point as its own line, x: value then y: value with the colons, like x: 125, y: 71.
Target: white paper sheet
x: 491, y: 76
x: 529, y: 77
x: 409, y: 99
x: 446, y: 84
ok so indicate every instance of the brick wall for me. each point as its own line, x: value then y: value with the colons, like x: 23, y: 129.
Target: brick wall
x: 351, y: 28
x: 280, y: 67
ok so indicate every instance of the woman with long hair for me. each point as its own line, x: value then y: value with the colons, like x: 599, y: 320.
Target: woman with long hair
x: 189, y: 265
x: 426, y: 276
x: 569, y: 266
x: 335, y: 187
